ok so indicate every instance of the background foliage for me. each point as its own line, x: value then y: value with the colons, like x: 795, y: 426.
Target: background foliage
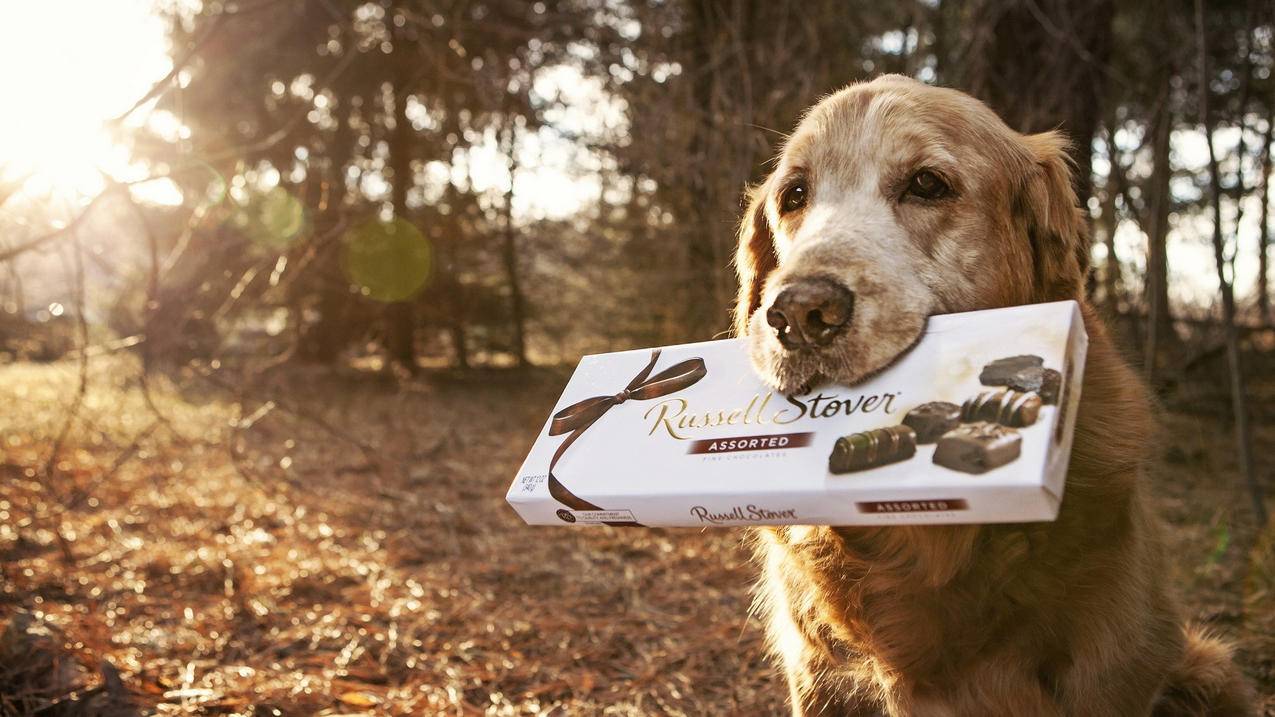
x: 252, y: 438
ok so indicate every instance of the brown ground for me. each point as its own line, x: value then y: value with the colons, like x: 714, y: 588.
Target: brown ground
x: 256, y: 560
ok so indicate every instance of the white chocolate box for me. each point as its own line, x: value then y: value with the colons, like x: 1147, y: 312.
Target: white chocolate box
x: 690, y: 436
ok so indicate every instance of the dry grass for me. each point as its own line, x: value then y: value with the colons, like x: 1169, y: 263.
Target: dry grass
x: 235, y: 558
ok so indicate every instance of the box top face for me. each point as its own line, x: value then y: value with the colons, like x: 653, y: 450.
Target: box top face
x: 726, y: 431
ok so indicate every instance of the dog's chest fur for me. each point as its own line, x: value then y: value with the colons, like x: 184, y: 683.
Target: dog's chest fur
x: 881, y: 605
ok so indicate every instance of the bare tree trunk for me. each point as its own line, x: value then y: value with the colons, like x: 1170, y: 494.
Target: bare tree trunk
x: 509, y: 253
x: 1243, y: 436
x: 1241, y: 119
x: 1264, y: 229
x: 460, y: 344
x: 1159, y: 320
x: 19, y: 294
x: 400, y: 316
x: 1041, y: 66
x: 324, y: 340
x: 705, y: 306
x: 941, y: 27
x: 1111, y: 279
x: 455, y: 290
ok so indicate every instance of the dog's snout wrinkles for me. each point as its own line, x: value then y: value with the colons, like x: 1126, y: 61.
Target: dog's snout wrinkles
x: 810, y: 313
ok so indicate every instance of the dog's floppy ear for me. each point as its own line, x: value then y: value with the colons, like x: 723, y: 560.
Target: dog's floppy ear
x: 1056, y: 227
x: 755, y: 256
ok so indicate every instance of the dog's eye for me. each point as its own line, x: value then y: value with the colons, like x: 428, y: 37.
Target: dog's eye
x: 793, y: 198
x: 928, y: 185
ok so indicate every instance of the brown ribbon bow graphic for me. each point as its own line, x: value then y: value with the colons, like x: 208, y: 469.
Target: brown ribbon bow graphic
x: 579, y: 416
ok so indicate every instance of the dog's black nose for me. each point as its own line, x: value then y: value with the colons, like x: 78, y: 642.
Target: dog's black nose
x: 810, y: 313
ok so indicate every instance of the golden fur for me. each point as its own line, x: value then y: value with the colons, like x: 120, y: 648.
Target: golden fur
x: 1070, y: 617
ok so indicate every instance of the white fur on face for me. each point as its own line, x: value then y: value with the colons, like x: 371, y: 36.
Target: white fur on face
x: 849, y: 232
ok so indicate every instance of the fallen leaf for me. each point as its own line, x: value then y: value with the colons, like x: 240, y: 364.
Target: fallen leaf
x: 360, y: 699
x: 190, y: 693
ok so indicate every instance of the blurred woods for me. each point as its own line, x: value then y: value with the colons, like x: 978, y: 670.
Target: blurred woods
x: 506, y: 183
x: 412, y: 184
x: 500, y: 183
x: 497, y: 183
x: 327, y: 189
x: 368, y: 177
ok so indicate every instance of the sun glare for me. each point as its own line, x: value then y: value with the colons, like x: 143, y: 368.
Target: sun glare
x: 70, y: 68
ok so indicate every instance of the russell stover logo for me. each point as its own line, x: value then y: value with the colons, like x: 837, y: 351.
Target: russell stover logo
x: 742, y: 514
x: 677, y: 417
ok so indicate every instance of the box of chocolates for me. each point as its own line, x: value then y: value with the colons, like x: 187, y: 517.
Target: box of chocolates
x: 972, y: 425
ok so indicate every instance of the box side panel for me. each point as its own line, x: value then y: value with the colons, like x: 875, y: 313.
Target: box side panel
x: 1064, y: 429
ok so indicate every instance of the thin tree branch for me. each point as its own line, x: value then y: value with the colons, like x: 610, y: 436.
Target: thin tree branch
x: 163, y: 85
x: 43, y: 239
x: 1243, y: 437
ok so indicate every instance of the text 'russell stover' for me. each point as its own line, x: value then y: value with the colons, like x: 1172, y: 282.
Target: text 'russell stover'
x: 676, y: 416
x: 738, y: 514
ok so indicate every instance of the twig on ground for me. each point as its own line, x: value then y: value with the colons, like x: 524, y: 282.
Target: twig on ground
x: 369, y: 452
x: 127, y: 454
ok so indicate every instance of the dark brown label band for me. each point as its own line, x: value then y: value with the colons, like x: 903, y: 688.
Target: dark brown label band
x: 773, y: 442
x: 933, y: 505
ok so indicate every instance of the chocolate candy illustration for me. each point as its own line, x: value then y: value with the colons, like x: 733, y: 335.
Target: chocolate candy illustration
x: 933, y: 419
x: 870, y: 449
x: 1045, y: 382
x: 1000, y: 371
x: 978, y: 447
x: 1005, y: 406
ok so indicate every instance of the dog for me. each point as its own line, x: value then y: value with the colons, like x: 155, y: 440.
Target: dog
x: 890, y: 202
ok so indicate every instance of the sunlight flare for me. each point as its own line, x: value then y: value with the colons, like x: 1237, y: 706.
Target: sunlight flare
x: 71, y: 68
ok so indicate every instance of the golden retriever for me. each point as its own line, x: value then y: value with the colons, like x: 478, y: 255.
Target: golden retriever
x: 890, y: 202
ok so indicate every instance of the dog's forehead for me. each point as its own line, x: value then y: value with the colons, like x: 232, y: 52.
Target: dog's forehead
x: 868, y: 124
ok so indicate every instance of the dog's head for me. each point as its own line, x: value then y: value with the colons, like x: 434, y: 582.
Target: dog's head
x: 892, y: 201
